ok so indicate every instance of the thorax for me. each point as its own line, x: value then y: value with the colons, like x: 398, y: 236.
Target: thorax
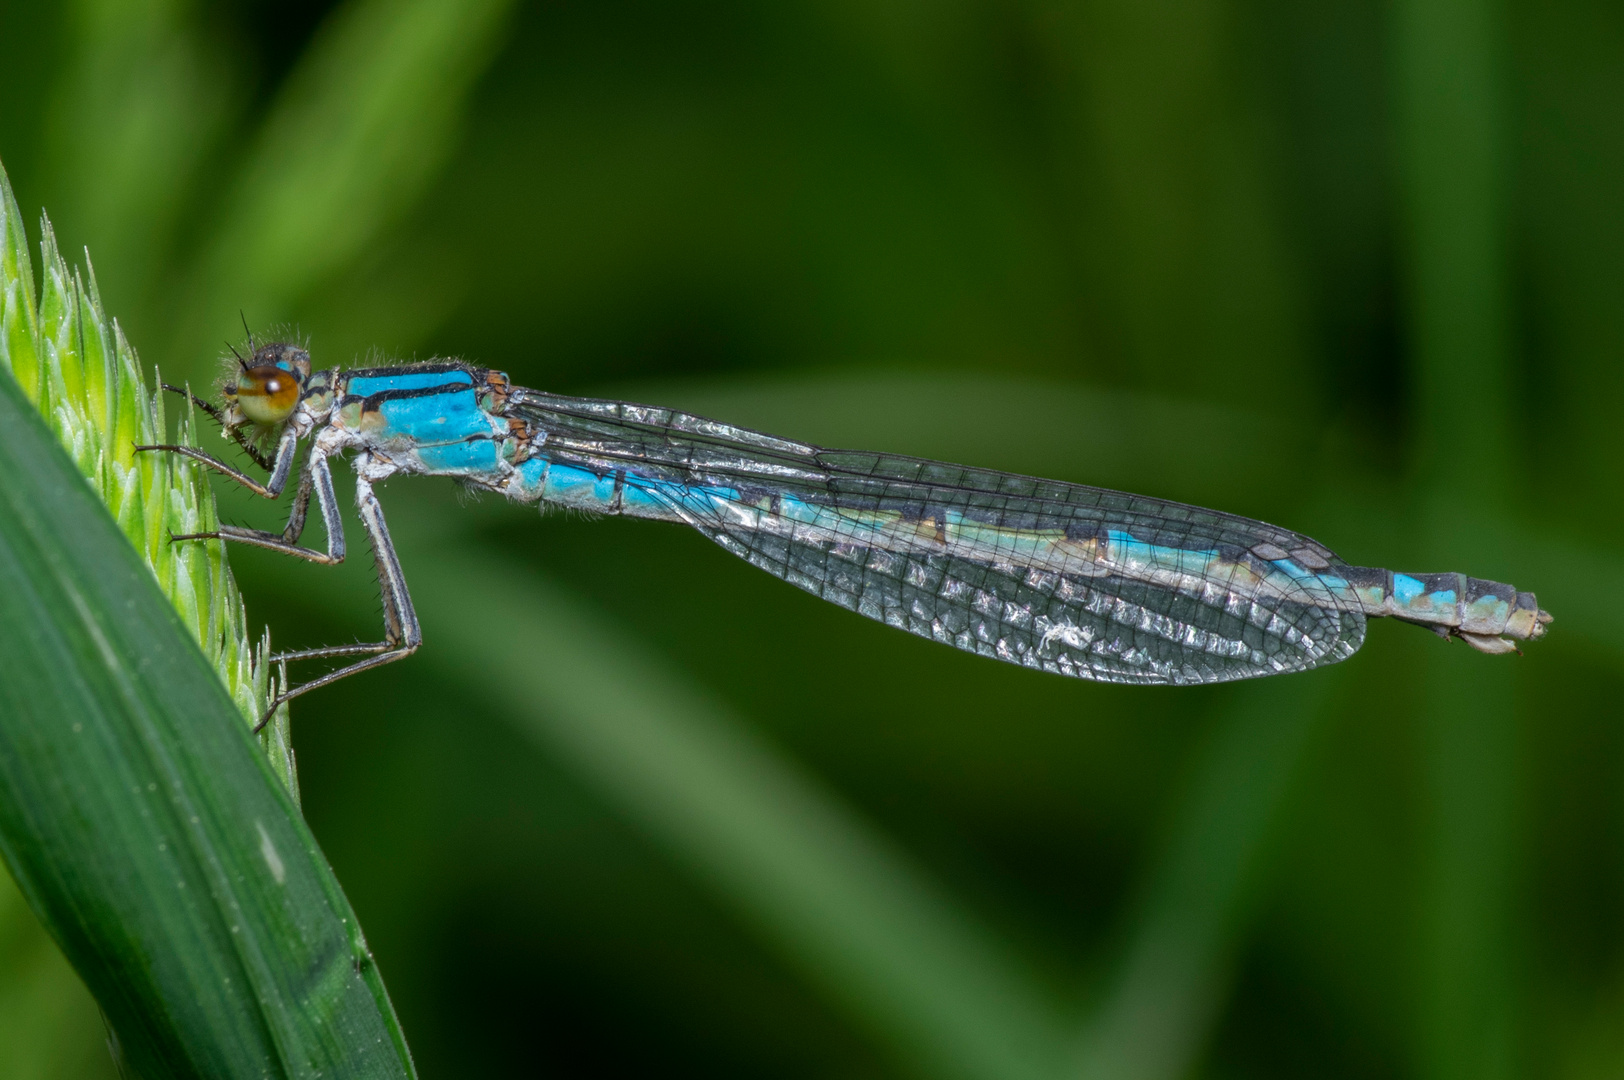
x: 437, y: 418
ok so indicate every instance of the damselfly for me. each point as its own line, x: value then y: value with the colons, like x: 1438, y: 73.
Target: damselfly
x: 1070, y: 579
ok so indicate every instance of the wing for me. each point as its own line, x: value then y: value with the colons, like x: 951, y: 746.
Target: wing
x: 1076, y: 580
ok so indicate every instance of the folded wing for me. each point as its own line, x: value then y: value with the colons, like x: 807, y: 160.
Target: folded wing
x: 1072, y: 579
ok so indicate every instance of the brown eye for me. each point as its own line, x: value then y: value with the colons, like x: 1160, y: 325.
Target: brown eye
x: 267, y: 395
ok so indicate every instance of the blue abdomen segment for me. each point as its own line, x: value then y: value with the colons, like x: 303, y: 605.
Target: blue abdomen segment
x: 613, y: 492
x: 1454, y: 602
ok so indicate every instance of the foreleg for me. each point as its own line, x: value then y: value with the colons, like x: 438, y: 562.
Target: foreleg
x: 281, y: 468
x: 315, y: 479
x: 214, y: 413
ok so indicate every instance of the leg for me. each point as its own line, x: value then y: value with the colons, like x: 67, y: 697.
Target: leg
x: 211, y: 462
x: 402, y: 633
x: 317, y: 479
x: 281, y: 468
x: 214, y: 414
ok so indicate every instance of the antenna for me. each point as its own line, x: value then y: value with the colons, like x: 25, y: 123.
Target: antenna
x: 245, y: 329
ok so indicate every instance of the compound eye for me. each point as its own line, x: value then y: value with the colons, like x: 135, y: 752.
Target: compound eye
x: 267, y: 395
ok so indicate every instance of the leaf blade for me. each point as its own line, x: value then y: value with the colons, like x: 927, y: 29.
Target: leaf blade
x: 142, y: 823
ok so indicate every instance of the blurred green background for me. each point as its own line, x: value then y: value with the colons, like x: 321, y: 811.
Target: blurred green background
x: 1356, y: 268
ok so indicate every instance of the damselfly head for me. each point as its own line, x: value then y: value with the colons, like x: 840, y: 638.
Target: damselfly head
x: 266, y: 387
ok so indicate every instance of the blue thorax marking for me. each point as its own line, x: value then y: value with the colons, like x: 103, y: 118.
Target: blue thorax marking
x: 432, y: 412
x: 379, y: 380
x: 480, y: 457
x: 428, y: 407
x: 426, y: 419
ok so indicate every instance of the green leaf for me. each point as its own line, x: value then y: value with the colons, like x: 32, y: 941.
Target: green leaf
x: 141, y: 822
x: 137, y: 814
x: 74, y: 364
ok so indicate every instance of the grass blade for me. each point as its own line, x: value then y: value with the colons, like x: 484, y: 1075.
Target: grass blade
x: 362, y: 127
x: 1167, y: 997
x: 137, y: 815
x: 140, y: 93
x: 141, y: 822
x: 1448, y: 65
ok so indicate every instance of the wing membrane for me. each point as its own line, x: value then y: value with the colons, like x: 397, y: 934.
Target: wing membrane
x: 1077, y: 580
